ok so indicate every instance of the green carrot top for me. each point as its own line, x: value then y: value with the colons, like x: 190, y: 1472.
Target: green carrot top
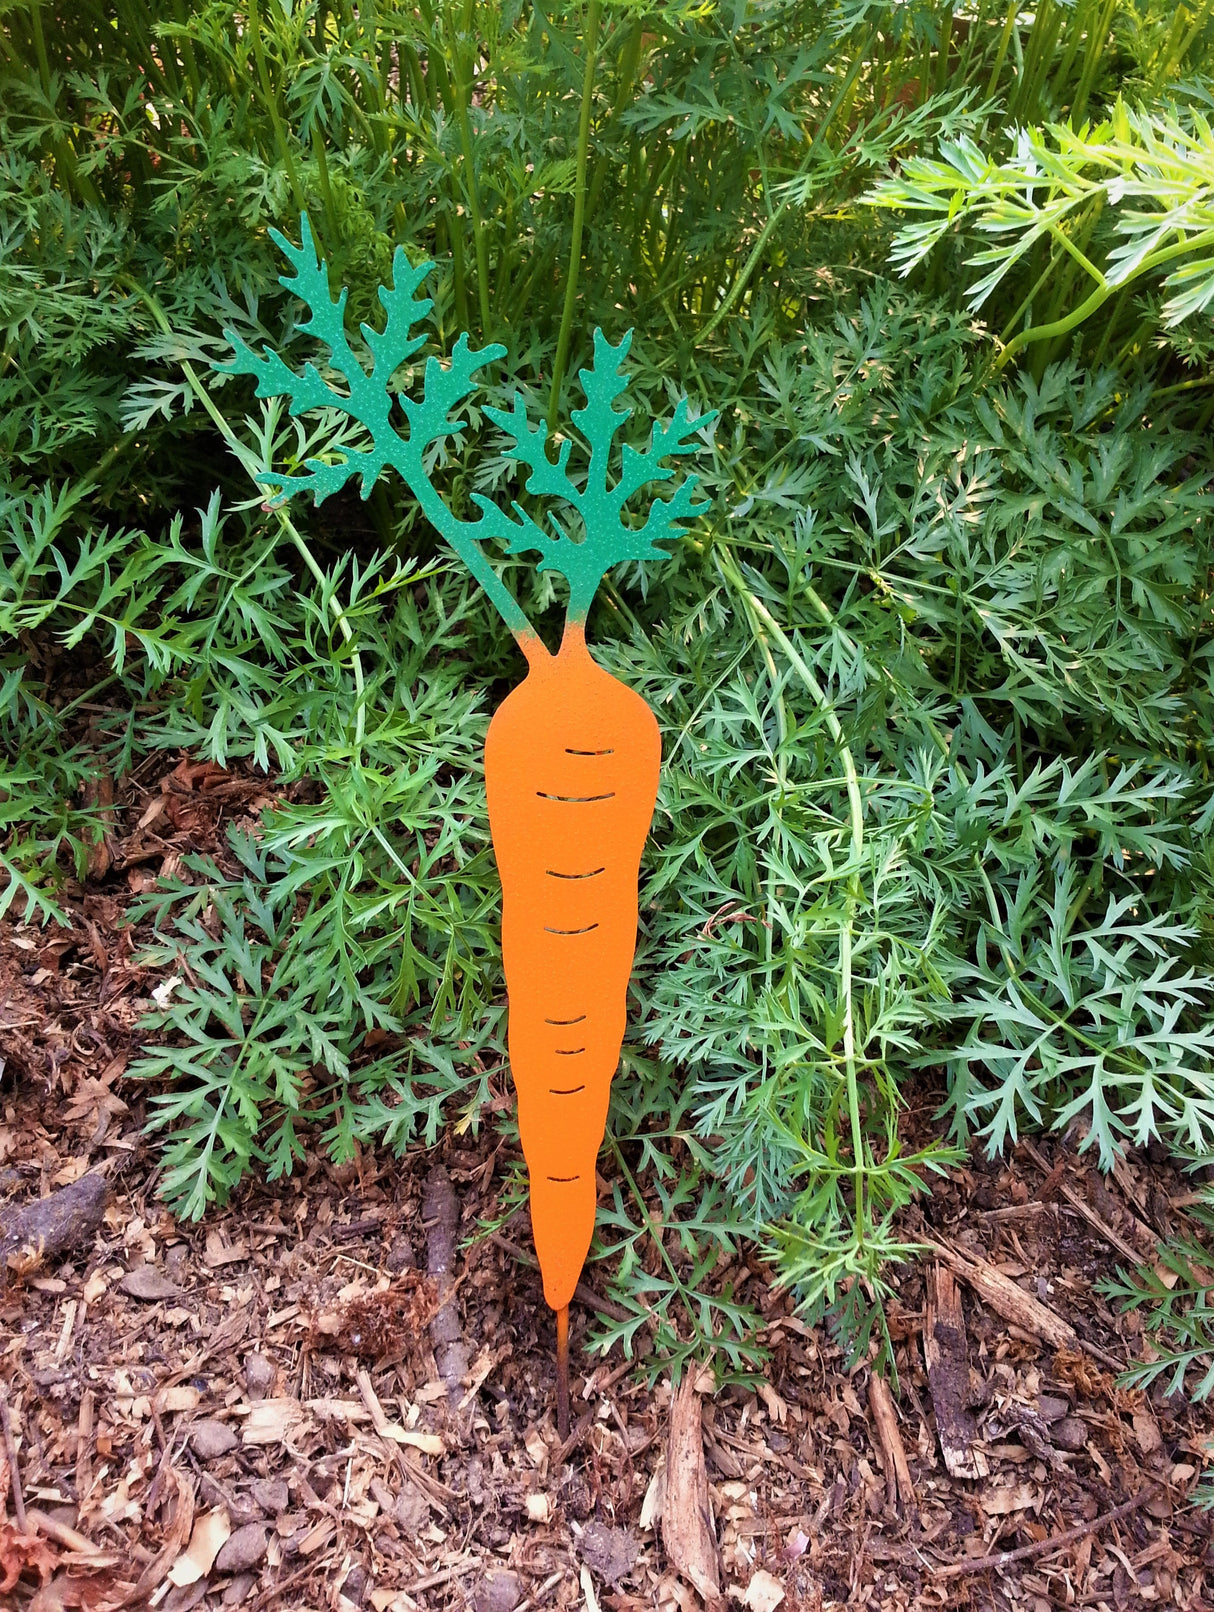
x: 607, y: 539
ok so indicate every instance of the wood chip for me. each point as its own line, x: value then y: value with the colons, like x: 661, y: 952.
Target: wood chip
x: 272, y: 1421
x: 207, y: 1539
x: 899, y: 1488
x: 944, y: 1351
x: 146, y: 1282
x: 764, y: 1592
x: 687, y: 1527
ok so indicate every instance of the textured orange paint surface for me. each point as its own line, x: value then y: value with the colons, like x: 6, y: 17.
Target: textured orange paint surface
x: 571, y: 772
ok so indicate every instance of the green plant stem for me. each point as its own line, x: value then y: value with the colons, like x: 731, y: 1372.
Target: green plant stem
x: 65, y: 157
x: 253, y: 21
x: 743, y: 278
x: 1059, y: 327
x: 564, y: 336
x: 759, y: 613
x: 1186, y: 43
x: 1092, y: 59
x: 757, y: 609
x: 285, y: 522
x: 631, y: 61
x: 1101, y: 294
x: 1009, y: 22
x: 480, y: 246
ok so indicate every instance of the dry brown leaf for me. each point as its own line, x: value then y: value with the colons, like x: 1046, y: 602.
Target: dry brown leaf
x: 764, y: 1593
x: 99, y: 1592
x: 1002, y: 1501
x: 220, y: 1252
x: 651, y: 1506
x: 427, y: 1443
x: 1146, y: 1432
x: 94, y: 1287
x: 776, y: 1408
x: 21, y: 1551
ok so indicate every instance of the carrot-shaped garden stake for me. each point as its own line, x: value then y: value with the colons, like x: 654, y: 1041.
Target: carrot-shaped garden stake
x: 572, y: 756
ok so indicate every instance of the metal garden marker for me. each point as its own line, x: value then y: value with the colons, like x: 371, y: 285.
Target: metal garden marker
x: 572, y: 755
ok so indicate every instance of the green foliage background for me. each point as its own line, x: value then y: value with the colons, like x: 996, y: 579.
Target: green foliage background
x: 934, y: 672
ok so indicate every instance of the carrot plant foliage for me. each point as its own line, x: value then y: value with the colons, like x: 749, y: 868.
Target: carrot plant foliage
x: 931, y: 651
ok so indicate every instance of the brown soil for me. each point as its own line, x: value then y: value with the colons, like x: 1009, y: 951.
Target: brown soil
x: 257, y: 1412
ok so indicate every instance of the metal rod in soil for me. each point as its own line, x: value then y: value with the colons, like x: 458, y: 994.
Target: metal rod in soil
x: 562, y: 1372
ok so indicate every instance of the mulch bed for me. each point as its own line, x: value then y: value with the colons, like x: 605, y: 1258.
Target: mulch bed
x: 337, y: 1393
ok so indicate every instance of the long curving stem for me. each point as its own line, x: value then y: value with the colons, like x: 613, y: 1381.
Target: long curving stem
x: 562, y: 1372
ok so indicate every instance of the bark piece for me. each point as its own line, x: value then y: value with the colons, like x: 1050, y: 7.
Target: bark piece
x: 612, y: 1552
x: 210, y: 1439
x: 1069, y: 1434
x: 687, y: 1530
x: 948, y: 1376
x: 497, y: 1592
x: 899, y: 1489
x: 270, y: 1494
x: 400, y: 1256
x: 356, y: 1586
x: 31, y: 1231
x: 259, y: 1375
x: 243, y: 1549
x: 146, y: 1282
x: 440, y: 1211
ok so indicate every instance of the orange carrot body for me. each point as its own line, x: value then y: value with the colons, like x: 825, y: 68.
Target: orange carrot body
x: 571, y: 772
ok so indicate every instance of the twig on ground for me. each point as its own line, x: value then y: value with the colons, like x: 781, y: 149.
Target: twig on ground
x: 1003, y: 1558
x: 443, y: 1576
x: 440, y: 1215
x: 63, y: 1535
x: 550, y: 1583
x: 575, y: 1438
x: 899, y: 1488
x: 10, y: 1450
x: 281, y: 1586
x: 1080, y: 1203
x: 1015, y: 1305
x: 84, y: 1435
x: 592, y: 1385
